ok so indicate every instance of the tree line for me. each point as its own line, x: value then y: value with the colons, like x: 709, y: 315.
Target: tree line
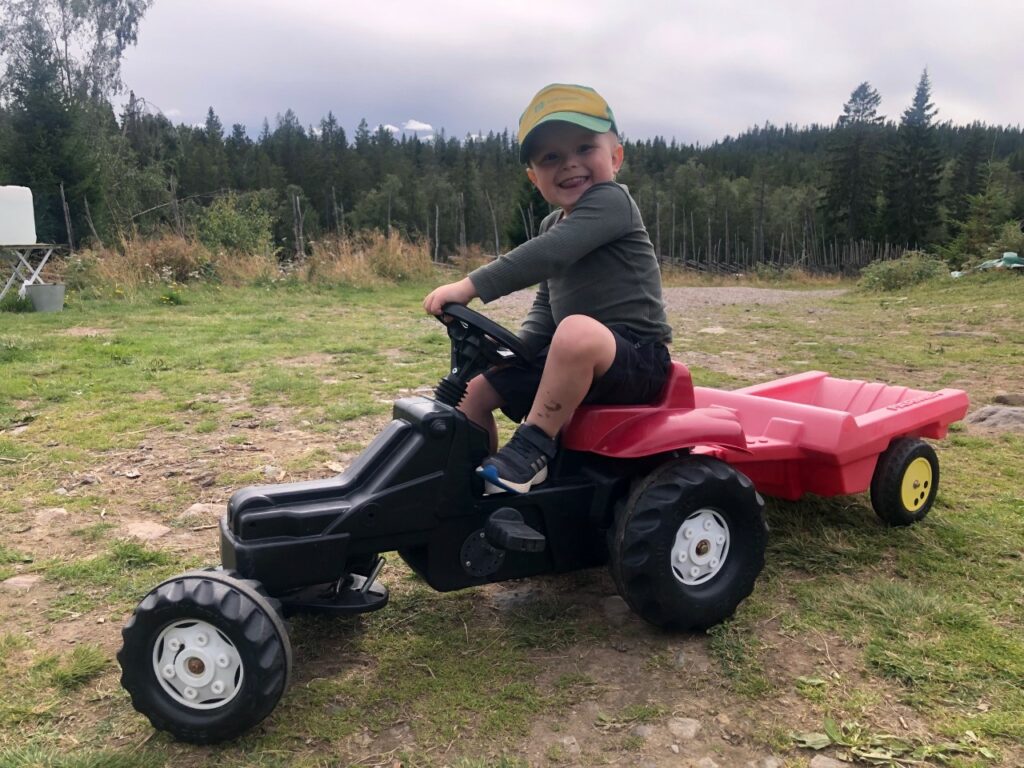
x: 829, y: 197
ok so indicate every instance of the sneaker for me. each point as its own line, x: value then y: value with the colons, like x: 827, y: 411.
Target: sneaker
x: 521, y: 463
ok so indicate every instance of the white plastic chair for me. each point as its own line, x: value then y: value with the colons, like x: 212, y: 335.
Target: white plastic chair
x: 21, y: 257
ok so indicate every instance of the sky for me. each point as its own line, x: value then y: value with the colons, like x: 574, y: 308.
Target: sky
x: 692, y: 71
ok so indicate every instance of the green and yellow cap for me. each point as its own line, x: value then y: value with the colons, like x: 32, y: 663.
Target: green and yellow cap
x: 574, y: 104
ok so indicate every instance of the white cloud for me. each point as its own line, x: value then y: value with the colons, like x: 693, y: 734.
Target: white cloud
x: 416, y: 125
x: 390, y: 128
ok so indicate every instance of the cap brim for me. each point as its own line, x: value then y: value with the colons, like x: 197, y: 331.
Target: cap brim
x: 595, y: 124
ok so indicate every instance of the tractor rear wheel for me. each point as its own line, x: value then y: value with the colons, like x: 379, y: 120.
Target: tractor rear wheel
x: 689, y: 544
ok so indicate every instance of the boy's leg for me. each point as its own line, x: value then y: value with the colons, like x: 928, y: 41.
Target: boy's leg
x: 582, y: 350
x: 479, y: 404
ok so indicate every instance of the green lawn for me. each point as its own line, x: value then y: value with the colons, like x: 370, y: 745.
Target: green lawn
x: 904, y: 644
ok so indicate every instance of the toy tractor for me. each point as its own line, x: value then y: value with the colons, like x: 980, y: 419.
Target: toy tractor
x: 660, y: 492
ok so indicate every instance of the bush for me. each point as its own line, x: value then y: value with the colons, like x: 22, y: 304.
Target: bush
x: 915, y: 267
x: 1009, y: 240
x: 237, y: 223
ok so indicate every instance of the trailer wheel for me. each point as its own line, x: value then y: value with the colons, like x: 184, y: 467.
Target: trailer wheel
x: 905, y: 481
x: 206, y: 656
x: 689, y: 544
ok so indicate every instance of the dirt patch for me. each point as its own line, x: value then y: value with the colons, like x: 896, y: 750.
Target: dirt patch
x: 87, y: 332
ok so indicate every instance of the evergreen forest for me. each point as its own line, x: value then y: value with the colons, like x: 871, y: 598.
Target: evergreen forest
x: 821, y: 197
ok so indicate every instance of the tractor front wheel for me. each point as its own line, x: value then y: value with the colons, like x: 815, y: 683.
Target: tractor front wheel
x: 689, y: 544
x: 206, y: 656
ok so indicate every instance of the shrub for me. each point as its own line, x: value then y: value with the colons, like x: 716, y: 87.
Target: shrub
x: 913, y: 268
x: 1009, y: 240
x: 237, y: 223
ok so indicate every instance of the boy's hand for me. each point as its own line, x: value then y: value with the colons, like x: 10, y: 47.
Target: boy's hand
x: 461, y: 292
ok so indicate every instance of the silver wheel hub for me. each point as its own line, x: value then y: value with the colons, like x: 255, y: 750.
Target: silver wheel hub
x: 197, y: 665
x: 700, y: 548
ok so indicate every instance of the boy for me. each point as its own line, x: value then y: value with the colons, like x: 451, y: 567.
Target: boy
x: 598, y: 322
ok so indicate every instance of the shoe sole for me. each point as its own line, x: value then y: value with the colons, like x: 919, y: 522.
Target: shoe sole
x: 494, y: 484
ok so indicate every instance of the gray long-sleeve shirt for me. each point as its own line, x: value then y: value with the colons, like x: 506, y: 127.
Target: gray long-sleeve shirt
x: 598, y: 261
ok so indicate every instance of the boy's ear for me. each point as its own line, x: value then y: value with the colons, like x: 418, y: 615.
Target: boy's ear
x: 617, y: 157
x: 531, y: 175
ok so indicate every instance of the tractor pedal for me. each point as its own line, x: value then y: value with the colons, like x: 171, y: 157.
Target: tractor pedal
x: 507, y: 530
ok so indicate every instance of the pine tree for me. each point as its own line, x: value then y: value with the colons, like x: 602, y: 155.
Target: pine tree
x: 967, y: 179
x: 853, y: 167
x: 912, y: 174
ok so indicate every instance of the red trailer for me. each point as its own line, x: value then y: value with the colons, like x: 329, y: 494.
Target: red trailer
x: 807, y: 433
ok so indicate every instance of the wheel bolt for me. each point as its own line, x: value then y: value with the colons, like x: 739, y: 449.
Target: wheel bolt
x: 168, y: 671
x: 222, y: 661
x: 688, y: 533
x: 714, y: 562
x: 201, y: 639
x: 707, y: 524
x: 682, y: 557
x: 217, y: 687
x: 173, y: 644
x: 190, y: 692
x: 719, y: 539
x: 695, y: 572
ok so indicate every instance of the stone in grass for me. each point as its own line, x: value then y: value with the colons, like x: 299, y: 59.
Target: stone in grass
x: 823, y: 761
x: 998, y: 417
x: 765, y: 762
x: 21, y: 583
x: 616, y: 612
x: 199, y: 514
x: 570, y: 746
x: 706, y: 762
x: 684, y: 728
x: 145, y: 530
x: 1015, y: 399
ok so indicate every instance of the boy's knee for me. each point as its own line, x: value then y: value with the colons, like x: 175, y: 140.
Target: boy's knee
x: 583, y: 336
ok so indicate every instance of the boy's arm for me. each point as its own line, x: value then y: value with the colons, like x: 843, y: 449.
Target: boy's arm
x: 603, y: 214
x: 539, y: 325
x: 459, y: 292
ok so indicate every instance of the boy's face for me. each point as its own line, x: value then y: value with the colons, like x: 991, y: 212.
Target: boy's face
x: 567, y: 160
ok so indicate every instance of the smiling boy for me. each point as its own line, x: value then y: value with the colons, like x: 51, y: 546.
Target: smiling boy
x: 598, y: 322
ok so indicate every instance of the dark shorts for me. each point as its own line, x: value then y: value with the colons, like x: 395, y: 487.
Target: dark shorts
x: 637, y: 375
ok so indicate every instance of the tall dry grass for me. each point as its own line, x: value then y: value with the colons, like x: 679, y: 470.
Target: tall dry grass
x: 365, y: 260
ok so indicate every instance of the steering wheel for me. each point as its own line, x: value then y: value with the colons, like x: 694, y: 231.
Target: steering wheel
x: 470, y: 330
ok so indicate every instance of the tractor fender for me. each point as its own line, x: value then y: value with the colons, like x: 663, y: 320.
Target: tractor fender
x: 657, y: 430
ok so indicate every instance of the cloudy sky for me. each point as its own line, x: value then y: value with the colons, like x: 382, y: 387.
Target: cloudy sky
x: 695, y: 71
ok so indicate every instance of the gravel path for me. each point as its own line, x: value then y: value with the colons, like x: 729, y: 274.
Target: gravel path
x: 513, y: 307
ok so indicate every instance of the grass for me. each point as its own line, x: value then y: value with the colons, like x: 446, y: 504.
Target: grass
x: 851, y: 623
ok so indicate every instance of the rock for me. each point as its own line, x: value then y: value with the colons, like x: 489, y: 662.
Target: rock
x: 723, y: 719
x: 273, y: 474
x: 643, y: 731
x: 716, y: 330
x: 765, y: 762
x: 146, y: 530
x: 570, y: 745
x: 50, y: 515
x: 616, y: 612
x: 21, y: 583
x: 998, y: 417
x: 821, y: 761
x: 706, y: 762
x: 1014, y: 399
x: 674, y: 748
x: 684, y: 728
x: 202, y: 513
